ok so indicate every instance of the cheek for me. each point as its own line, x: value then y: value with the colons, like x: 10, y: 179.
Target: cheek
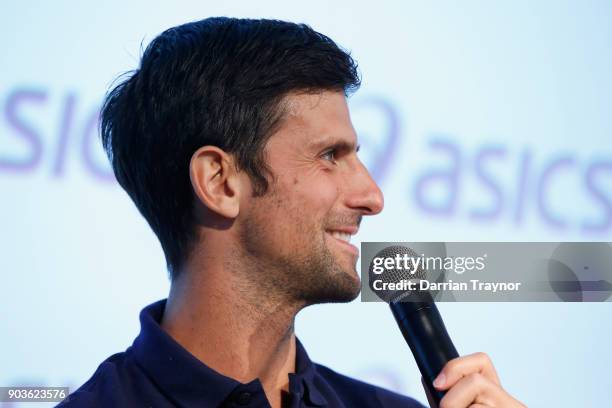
x: 316, y: 197
x: 300, y: 205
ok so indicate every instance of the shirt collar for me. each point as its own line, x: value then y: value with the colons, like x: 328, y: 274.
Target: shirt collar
x: 190, y: 382
x: 306, y: 371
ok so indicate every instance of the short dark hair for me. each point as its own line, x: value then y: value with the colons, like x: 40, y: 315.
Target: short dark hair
x: 219, y: 81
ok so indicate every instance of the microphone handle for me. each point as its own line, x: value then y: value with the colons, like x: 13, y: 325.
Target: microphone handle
x: 424, y: 331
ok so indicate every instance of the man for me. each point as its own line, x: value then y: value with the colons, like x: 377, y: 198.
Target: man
x: 234, y: 141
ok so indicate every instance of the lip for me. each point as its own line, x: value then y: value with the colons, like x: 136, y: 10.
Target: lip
x: 346, y: 245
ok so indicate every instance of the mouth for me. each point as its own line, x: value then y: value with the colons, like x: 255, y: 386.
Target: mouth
x: 343, y: 238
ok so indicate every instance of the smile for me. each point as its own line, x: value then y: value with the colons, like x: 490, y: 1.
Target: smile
x: 344, y: 239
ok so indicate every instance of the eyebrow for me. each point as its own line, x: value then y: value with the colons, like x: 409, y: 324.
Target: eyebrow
x: 339, y: 145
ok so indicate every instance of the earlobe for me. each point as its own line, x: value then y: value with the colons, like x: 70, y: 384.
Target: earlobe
x: 214, y: 180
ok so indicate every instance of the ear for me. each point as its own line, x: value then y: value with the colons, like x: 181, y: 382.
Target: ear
x: 215, y: 181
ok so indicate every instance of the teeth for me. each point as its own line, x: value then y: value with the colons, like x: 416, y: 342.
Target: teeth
x: 341, y: 235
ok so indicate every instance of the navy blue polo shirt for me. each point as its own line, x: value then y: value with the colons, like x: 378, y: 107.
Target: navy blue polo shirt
x: 156, y: 371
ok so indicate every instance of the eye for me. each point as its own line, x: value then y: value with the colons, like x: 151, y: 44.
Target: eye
x: 329, y: 155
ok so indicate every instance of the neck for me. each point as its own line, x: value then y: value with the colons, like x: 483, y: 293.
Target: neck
x: 214, y: 315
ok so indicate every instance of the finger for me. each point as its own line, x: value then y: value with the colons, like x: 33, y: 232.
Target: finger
x: 460, y: 367
x: 470, y: 390
x: 430, y: 399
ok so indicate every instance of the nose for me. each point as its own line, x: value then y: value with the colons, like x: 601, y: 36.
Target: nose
x: 362, y: 191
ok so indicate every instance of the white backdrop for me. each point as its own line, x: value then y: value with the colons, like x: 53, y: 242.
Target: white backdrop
x: 481, y: 120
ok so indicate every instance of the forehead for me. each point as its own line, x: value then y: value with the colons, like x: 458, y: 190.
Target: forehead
x: 312, y: 121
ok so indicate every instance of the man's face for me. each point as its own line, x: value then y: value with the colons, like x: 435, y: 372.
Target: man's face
x: 297, y: 233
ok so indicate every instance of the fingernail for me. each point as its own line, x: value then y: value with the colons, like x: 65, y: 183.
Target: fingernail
x: 440, y: 380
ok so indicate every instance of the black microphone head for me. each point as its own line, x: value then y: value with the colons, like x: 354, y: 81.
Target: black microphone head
x: 408, y: 269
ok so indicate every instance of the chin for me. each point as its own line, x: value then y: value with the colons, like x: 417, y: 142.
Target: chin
x: 341, y: 288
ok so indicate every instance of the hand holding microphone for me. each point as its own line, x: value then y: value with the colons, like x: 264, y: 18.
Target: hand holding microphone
x: 471, y: 381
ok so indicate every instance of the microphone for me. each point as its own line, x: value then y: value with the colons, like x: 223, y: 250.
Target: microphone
x: 417, y: 316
